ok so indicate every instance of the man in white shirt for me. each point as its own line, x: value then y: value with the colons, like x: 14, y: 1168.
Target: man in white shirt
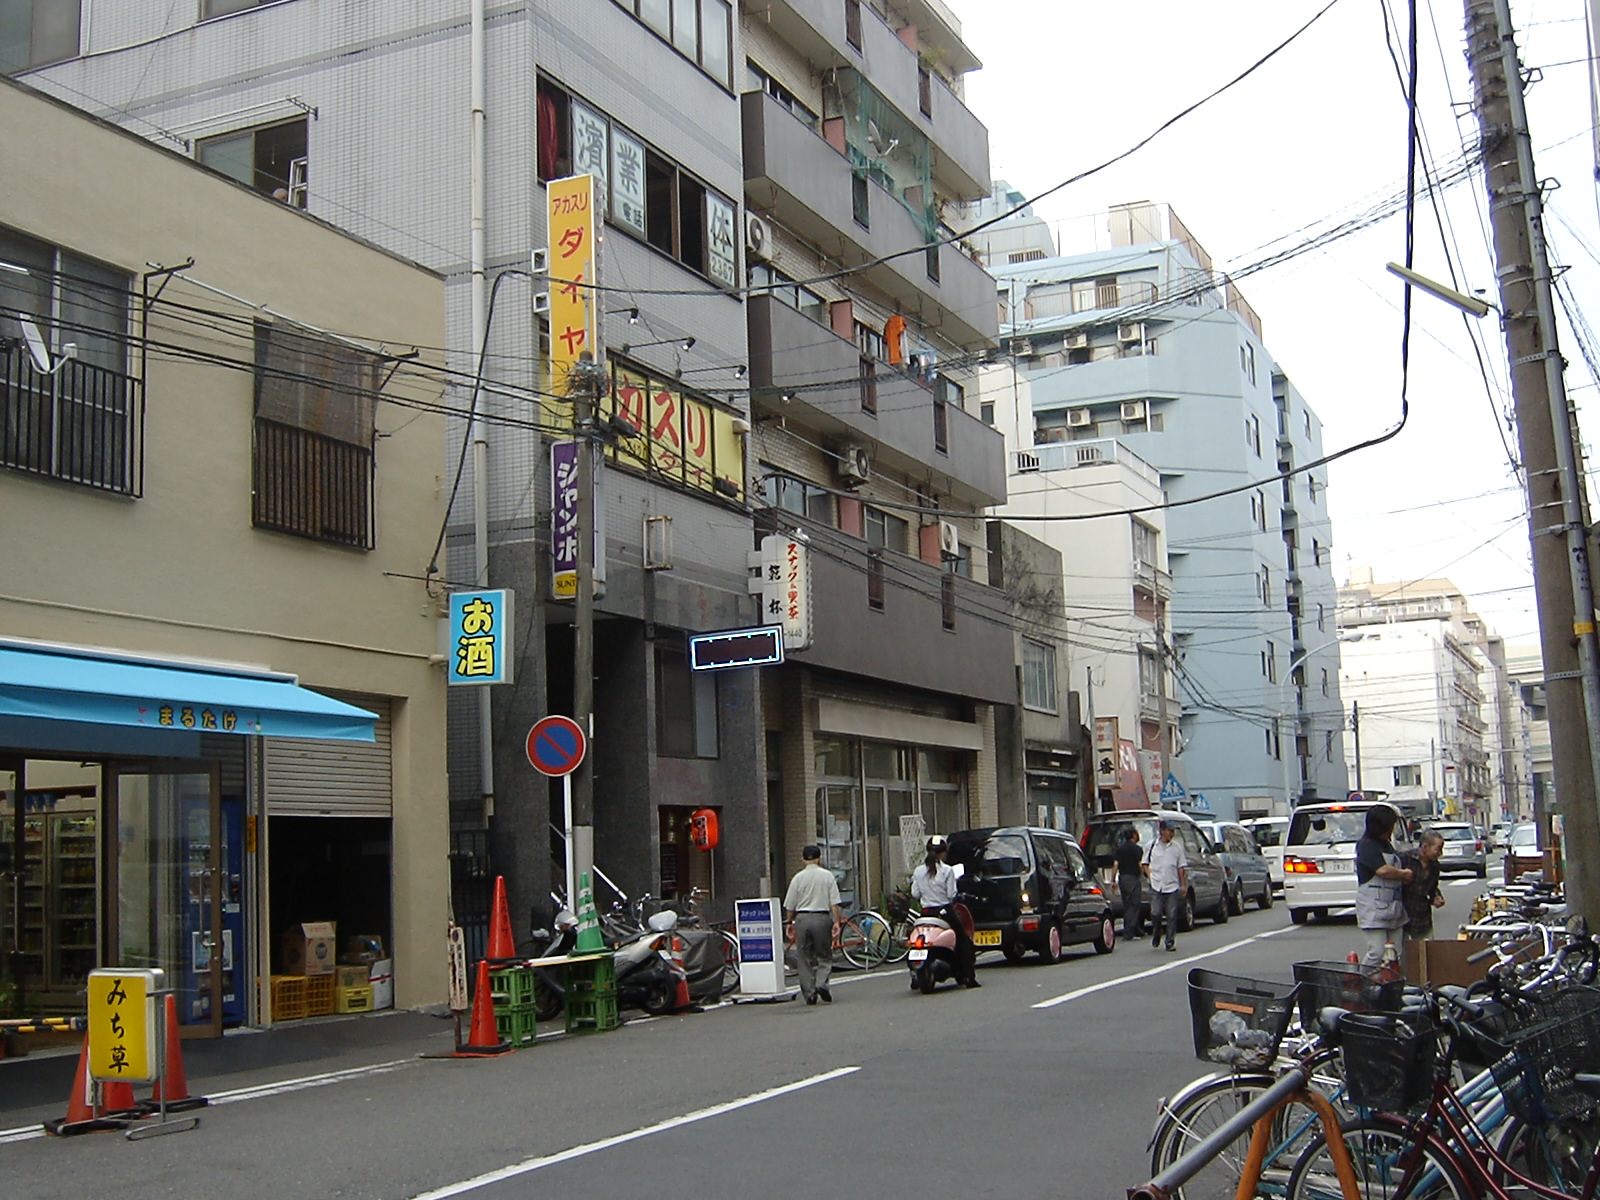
x: 1166, y: 866
x: 811, y: 908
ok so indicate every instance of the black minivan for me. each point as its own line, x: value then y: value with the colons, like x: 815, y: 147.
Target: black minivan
x: 1030, y: 889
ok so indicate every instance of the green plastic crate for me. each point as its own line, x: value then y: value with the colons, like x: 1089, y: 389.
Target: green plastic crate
x: 595, y: 1012
x: 516, y: 1025
x: 596, y: 976
x: 511, y: 987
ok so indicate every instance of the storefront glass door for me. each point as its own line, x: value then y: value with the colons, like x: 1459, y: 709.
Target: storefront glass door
x: 166, y: 874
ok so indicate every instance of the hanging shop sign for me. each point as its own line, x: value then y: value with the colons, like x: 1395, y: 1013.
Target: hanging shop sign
x: 572, y: 265
x: 784, y: 567
x: 481, y: 637
x: 564, y: 522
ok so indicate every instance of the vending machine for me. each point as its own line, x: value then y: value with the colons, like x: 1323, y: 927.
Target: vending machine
x: 193, y: 984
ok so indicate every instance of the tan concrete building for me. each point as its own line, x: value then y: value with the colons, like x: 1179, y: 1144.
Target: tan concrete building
x: 221, y: 698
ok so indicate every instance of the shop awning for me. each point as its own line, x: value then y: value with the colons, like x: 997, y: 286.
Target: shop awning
x: 68, y: 684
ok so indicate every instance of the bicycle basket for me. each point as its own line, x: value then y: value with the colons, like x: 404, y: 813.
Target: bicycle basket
x: 1238, y: 1022
x: 1388, y: 1061
x: 1536, y: 1075
x: 1345, y: 985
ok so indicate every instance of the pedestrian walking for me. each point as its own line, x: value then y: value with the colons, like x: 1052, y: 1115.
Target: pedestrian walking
x: 1166, y: 866
x: 812, y: 915
x: 1380, y: 882
x: 934, y: 886
x: 1129, y: 858
x: 1422, y: 894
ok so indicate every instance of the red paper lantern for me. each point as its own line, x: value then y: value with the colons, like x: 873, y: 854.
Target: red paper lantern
x: 703, y: 828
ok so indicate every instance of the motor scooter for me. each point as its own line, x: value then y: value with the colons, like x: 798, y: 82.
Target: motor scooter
x: 647, y: 974
x: 932, y: 948
x: 549, y: 983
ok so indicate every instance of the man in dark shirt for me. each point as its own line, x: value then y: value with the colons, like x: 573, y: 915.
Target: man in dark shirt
x: 1130, y: 883
x: 1422, y: 893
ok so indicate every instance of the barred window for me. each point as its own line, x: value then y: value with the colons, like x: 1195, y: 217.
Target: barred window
x: 315, y: 407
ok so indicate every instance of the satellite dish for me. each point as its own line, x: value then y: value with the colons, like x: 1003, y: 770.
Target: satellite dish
x: 881, y: 146
x: 36, y: 345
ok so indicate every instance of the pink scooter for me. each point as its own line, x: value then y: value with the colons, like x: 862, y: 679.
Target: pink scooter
x: 932, y: 954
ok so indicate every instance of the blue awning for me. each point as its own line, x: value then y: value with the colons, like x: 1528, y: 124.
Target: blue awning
x: 68, y: 684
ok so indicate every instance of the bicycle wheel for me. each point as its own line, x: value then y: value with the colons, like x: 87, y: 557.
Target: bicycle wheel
x: 1557, y: 1156
x: 899, y: 940
x: 730, y: 962
x: 1381, y: 1151
x: 864, y: 939
x: 1194, y: 1116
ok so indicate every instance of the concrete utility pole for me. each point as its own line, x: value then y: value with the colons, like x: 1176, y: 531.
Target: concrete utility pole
x: 1355, y: 728
x: 1546, y: 436
x: 586, y: 383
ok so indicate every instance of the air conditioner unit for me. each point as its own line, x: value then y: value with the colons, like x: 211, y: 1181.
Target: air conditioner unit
x: 1131, y: 332
x: 949, y: 540
x: 1134, y: 410
x: 1075, y: 341
x: 1077, y: 418
x: 855, y: 465
x: 1022, y: 347
x: 541, y: 303
x: 757, y: 237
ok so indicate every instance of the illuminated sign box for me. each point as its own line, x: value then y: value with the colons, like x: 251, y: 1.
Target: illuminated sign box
x: 757, y: 647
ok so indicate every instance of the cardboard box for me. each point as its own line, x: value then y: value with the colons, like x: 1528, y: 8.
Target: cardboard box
x: 1440, y: 961
x: 309, y: 949
x: 381, y: 979
x: 352, y: 976
x: 362, y: 948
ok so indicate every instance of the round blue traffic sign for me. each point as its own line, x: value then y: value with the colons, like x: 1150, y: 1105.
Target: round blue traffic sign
x: 556, y: 745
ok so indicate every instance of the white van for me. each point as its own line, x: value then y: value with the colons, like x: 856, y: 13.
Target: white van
x: 1269, y: 833
x: 1319, y: 855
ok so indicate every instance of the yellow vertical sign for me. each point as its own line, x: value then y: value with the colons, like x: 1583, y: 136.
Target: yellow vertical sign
x: 573, y: 261
x: 122, y: 1025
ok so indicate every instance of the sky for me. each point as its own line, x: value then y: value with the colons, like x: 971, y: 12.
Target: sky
x: 1315, y: 136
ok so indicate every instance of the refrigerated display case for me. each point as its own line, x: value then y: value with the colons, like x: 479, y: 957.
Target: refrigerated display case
x: 57, y: 935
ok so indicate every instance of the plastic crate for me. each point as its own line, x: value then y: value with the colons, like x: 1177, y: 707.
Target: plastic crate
x: 1388, y: 1061
x: 516, y: 1025
x: 594, y: 1012
x: 596, y: 975
x: 288, y: 997
x: 1238, y: 1022
x: 319, y: 995
x: 353, y: 999
x: 511, y: 988
x: 1345, y: 985
x: 1537, y: 1073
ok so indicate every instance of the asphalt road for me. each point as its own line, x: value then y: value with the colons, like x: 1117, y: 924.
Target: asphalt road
x: 1042, y: 1083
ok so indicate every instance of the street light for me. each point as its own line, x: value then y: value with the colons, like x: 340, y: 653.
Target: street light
x: 1288, y: 678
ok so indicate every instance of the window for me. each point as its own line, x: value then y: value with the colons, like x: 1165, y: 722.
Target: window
x: 947, y: 600
x: 315, y: 404
x: 1261, y: 511
x: 1149, y: 672
x: 852, y: 22
x: 1327, y: 744
x: 1247, y: 361
x: 1264, y: 584
x: 766, y: 281
x: 799, y: 497
x: 860, y: 204
x: 1273, y: 748
x: 1409, y: 775
x: 1322, y: 616
x: 869, y: 384
x: 1252, y: 433
x: 1269, y: 662
x: 875, y: 580
x: 1146, y: 544
x: 271, y: 159
x: 886, y: 531
x: 986, y: 412
x: 1316, y: 552
x: 941, y: 425
x: 925, y: 90
x: 760, y: 81
x: 1324, y: 681
x: 36, y: 32
x: 1038, y: 676
x: 686, y: 707
x: 700, y: 30
x: 79, y: 419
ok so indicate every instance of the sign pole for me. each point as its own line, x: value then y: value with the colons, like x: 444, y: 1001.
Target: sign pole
x: 566, y: 815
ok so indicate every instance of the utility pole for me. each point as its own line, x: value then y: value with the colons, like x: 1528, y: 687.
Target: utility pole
x: 1355, y: 728
x: 1161, y: 682
x: 586, y: 382
x: 1557, y: 517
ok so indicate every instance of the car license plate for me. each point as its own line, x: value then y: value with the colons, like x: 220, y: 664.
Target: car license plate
x: 918, y: 956
x: 986, y: 937
x: 1337, y: 866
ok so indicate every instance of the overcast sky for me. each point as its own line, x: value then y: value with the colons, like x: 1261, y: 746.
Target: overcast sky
x: 1318, y: 135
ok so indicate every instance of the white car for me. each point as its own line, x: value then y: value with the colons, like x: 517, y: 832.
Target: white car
x: 1319, y: 856
x: 1269, y: 833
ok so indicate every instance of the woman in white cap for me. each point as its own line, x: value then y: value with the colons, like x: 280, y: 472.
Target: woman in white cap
x: 935, y: 886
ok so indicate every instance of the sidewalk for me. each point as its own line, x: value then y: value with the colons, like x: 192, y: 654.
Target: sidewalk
x: 43, y: 1077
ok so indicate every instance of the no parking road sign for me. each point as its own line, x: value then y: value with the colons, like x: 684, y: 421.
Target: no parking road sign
x: 556, y: 745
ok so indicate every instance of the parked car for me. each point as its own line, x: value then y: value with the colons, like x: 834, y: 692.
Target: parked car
x: 1207, y: 893
x: 1523, y: 854
x: 1498, y: 835
x: 1463, y: 848
x: 1269, y: 833
x: 1319, y: 856
x: 1031, y: 889
x: 1247, y: 873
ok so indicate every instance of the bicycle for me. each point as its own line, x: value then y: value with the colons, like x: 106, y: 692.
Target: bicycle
x: 865, y: 940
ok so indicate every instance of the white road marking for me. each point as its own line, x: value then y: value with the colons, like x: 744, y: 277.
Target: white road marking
x: 1166, y: 966
x: 550, y: 1160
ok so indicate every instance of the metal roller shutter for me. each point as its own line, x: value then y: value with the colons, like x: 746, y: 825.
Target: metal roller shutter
x: 310, y: 777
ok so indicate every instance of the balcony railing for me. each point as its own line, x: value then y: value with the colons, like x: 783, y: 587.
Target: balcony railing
x: 1092, y: 452
x: 313, y: 486
x: 81, y: 424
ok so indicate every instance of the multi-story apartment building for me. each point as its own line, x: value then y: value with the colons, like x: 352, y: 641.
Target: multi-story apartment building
x: 1142, y: 342
x: 223, y: 707
x: 1425, y: 683
x: 434, y: 130
x: 1537, y: 797
x: 864, y: 324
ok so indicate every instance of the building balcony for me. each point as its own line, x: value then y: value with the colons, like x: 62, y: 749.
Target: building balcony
x: 1152, y: 579
x: 1092, y: 452
x: 790, y: 353
x: 809, y: 187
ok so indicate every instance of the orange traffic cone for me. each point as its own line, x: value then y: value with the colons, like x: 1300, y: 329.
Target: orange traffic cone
x: 174, y: 1084
x: 682, y: 1000
x: 502, y: 946
x: 483, y: 1041
x: 81, y: 1113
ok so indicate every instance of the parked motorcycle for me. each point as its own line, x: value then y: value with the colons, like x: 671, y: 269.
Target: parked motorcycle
x: 647, y: 974
x: 549, y: 983
x: 931, y: 943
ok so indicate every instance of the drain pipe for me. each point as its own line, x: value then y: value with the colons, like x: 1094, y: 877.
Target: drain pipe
x: 477, y: 431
